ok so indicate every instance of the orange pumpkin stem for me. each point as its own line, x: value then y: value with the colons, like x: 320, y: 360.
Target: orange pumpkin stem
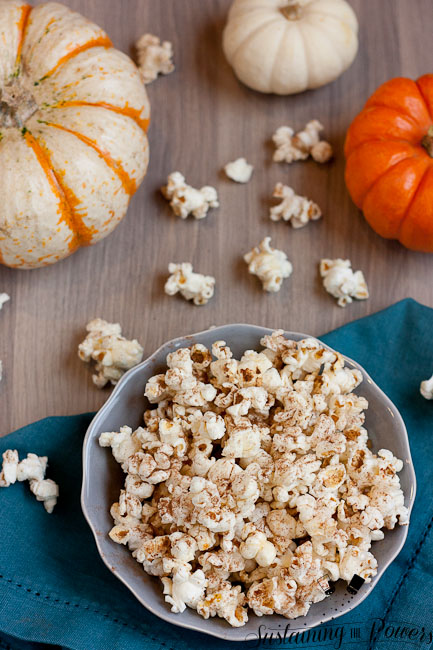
x: 427, y: 142
x: 292, y: 11
x: 17, y: 104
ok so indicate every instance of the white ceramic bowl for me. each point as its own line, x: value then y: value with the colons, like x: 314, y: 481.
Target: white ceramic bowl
x: 103, y: 479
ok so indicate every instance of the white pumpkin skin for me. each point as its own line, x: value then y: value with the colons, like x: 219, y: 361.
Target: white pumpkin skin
x: 77, y: 148
x: 288, y: 46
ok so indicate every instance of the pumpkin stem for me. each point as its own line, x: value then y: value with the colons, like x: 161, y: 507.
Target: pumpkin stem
x: 427, y: 142
x: 17, y: 104
x: 292, y: 11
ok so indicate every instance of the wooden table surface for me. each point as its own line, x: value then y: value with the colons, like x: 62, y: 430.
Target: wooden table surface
x: 201, y: 119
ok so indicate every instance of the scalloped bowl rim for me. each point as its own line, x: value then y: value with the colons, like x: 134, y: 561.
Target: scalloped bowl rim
x: 226, y: 635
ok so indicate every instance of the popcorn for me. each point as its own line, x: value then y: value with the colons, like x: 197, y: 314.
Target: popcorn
x: 186, y: 200
x: 227, y: 603
x: 8, y: 475
x: 32, y: 469
x: 426, y: 388
x: 113, y: 353
x: 3, y: 298
x: 354, y: 561
x: 257, y: 547
x: 239, y: 170
x: 207, y: 426
x: 183, y: 547
x: 294, y: 208
x: 341, y: 282
x: 46, y: 491
x: 153, y: 57
x: 134, y: 536
x: 243, y: 440
x: 251, y: 484
x: 291, y: 147
x: 272, y: 595
x: 192, y: 286
x: 185, y: 590
x: 123, y: 443
x: 269, y: 264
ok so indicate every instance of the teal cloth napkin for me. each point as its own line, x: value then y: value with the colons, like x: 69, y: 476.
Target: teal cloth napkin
x: 54, y: 588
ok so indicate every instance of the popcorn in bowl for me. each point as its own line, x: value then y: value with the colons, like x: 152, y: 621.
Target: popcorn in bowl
x: 251, y: 482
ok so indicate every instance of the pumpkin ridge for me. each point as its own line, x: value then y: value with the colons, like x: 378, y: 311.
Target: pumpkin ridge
x: 129, y: 185
x: 404, y: 113
x: 421, y: 92
x: 406, y: 214
x: 128, y: 111
x: 384, y: 140
x: 322, y: 31
x: 82, y: 235
x: 102, y: 41
x: 378, y: 178
x: 325, y: 31
x: 283, y: 36
x: 253, y: 33
x: 379, y: 134
x: 22, y: 26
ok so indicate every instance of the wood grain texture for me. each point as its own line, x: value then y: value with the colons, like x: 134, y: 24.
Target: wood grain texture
x: 201, y: 119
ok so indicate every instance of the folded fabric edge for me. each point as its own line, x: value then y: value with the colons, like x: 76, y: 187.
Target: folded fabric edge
x: 50, y: 418
x: 394, y: 306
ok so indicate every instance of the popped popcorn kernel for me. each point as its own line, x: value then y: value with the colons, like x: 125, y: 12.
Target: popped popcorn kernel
x: 341, y: 282
x: 186, y: 200
x: 4, y: 297
x: 239, y: 170
x: 8, y: 474
x: 153, y: 57
x: 30, y: 469
x: 192, y: 286
x: 296, y: 209
x: 426, y: 388
x: 269, y: 264
x: 111, y: 351
x: 291, y: 147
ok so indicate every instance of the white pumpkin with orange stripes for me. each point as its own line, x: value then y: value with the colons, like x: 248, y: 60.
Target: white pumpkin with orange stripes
x: 73, y: 145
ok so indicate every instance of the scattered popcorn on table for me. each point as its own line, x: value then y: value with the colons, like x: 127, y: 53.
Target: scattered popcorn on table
x: 341, y: 282
x: 239, y: 170
x: 186, y: 200
x: 293, y: 207
x: 426, y: 388
x: 113, y: 353
x: 269, y: 264
x: 192, y: 286
x: 291, y: 147
x: 153, y: 57
x: 251, y: 483
x: 30, y: 469
x: 3, y: 298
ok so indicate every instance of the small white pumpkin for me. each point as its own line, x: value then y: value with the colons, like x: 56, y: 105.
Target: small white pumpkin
x: 73, y: 145
x: 288, y: 46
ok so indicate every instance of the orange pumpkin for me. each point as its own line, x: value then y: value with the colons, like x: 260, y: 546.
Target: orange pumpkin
x: 389, y: 169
